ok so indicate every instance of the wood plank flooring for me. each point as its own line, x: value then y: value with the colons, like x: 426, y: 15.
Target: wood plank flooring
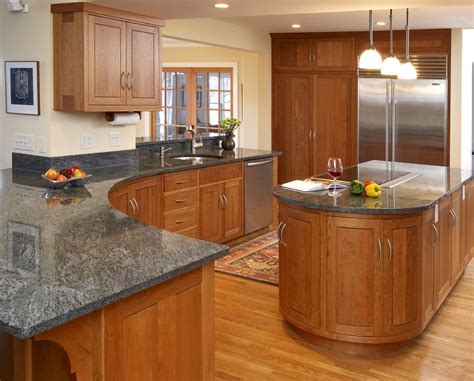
x: 254, y: 343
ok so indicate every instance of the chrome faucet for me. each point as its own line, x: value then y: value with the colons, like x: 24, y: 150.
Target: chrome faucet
x: 194, y: 143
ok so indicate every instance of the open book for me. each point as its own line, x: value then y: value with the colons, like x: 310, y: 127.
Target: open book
x: 311, y: 185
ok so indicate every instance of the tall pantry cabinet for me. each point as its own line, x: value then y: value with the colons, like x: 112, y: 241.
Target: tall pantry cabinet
x: 314, y: 103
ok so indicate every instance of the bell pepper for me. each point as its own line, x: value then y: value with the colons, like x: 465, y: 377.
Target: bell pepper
x: 356, y: 187
x: 373, y: 190
x: 368, y: 182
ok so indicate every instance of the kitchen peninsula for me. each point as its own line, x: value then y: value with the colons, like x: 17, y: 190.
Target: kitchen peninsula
x: 374, y: 270
x: 87, y: 290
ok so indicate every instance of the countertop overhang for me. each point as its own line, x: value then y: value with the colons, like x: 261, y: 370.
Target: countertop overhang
x: 65, y: 253
x: 433, y: 184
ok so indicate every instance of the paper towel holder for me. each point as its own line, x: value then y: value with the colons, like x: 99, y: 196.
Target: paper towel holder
x: 109, y: 116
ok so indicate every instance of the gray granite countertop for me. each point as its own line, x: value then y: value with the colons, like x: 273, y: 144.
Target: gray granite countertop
x: 432, y: 184
x: 65, y: 253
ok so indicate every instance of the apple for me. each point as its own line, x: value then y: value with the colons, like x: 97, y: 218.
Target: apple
x: 61, y: 178
x: 79, y: 173
x: 51, y: 174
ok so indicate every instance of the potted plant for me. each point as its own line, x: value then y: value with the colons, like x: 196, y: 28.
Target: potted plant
x: 229, y: 125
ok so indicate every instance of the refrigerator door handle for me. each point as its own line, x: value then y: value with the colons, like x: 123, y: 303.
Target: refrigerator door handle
x: 388, y: 117
x: 394, y: 122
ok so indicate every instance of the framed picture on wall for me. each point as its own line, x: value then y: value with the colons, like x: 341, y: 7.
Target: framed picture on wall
x: 22, y: 87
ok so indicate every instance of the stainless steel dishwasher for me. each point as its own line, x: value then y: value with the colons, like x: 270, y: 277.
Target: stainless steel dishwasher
x: 258, y: 194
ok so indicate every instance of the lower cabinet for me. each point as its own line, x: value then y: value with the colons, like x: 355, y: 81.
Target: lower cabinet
x: 206, y: 203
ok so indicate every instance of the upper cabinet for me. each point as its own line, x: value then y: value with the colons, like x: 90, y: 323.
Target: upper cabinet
x: 105, y: 59
x: 315, y: 54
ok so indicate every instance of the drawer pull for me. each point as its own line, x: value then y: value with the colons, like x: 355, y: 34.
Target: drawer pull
x: 181, y: 182
x: 179, y: 201
x: 181, y: 221
x: 437, y: 235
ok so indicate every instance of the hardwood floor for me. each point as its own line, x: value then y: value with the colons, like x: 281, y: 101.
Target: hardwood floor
x: 254, y: 343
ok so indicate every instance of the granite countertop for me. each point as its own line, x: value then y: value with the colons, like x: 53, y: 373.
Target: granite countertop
x: 65, y: 253
x: 420, y: 193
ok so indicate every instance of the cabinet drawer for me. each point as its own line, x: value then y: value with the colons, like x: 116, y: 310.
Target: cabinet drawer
x: 181, y: 199
x: 181, y: 180
x: 220, y: 173
x: 181, y: 219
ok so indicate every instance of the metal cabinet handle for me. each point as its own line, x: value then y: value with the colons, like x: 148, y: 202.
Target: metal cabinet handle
x: 136, y: 204
x: 282, y: 232
x: 437, y: 234
x: 129, y: 83
x: 455, y: 217
x: 225, y: 200
x: 279, y: 232
x: 314, y: 57
x: 379, y: 243
x: 452, y: 213
x: 122, y: 78
x: 134, y: 211
x: 310, y: 134
x: 181, y: 182
x: 179, y: 201
x: 389, y: 250
x: 257, y: 163
x: 221, y: 203
x: 180, y: 221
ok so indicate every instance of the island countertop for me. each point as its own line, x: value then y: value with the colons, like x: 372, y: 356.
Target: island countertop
x: 431, y: 185
x: 65, y: 253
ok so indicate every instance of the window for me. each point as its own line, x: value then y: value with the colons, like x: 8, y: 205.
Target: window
x: 197, y: 96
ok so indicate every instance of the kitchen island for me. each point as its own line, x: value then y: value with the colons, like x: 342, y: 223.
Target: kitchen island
x: 372, y: 272
x: 88, y: 292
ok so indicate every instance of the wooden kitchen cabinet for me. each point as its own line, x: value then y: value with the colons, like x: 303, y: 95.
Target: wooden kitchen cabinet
x: 233, y: 193
x: 211, y: 212
x: 105, y: 60
x: 335, y: 54
x: 300, y: 260
x: 442, y: 274
x: 120, y: 198
x: 455, y: 241
x: 468, y: 222
x: 430, y: 247
x: 292, y: 54
x: 354, y: 276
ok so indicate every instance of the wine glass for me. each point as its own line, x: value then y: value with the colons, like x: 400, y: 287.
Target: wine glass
x: 334, y: 170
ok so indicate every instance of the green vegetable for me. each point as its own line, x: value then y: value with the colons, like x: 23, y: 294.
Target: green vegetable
x: 357, y: 187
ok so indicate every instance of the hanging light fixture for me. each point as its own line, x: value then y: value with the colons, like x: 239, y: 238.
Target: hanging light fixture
x: 391, y: 64
x: 407, y: 70
x: 371, y: 58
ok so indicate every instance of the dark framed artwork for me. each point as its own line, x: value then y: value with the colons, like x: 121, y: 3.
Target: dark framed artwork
x: 22, y: 87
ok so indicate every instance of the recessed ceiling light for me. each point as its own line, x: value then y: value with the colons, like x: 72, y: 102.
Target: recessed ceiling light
x: 221, y: 5
x: 381, y: 23
x: 296, y: 26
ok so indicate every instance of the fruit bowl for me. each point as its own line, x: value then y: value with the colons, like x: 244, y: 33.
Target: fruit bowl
x: 73, y: 181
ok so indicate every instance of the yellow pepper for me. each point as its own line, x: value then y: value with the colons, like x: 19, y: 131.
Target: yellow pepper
x: 373, y: 190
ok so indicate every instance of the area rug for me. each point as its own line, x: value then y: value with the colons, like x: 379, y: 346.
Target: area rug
x: 256, y: 260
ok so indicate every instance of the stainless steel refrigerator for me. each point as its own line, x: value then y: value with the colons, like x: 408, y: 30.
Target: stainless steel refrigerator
x: 403, y: 120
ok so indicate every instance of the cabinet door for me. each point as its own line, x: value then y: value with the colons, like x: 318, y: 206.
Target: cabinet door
x: 335, y: 54
x: 442, y: 278
x: 143, y: 65
x: 300, y: 257
x: 354, y: 276
x: 455, y: 243
x: 234, y: 206
x: 471, y: 216
x: 402, y: 275
x: 211, y: 212
x: 466, y: 223
x: 146, y: 193
x: 292, y: 54
x: 430, y: 247
x: 107, y: 61
x: 291, y: 124
x: 120, y: 199
x: 335, y: 110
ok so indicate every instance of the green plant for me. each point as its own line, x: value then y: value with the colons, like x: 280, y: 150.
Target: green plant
x: 229, y: 125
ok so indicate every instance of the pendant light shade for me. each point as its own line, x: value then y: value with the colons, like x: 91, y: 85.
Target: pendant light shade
x: 371, y: 58
x: 391, y: 64
x: 407, y: 70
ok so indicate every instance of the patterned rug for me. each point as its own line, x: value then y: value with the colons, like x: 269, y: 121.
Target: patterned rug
x: 256, y: 259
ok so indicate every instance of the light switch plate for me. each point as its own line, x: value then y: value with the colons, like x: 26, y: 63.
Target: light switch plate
x: 41, y: 144
x: 86, y: 141
x: 436, y: 214
x: 24, y: 142
x: 114, y: 140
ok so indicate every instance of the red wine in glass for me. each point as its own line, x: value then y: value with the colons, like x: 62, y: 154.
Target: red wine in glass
x: 335, y: 170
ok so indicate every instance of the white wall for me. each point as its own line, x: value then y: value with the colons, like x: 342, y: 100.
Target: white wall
x: 462, y: 57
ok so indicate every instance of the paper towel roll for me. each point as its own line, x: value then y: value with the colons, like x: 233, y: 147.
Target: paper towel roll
x: 122, y: 118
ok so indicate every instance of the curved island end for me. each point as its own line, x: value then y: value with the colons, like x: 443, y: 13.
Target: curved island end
x: 373, y: 272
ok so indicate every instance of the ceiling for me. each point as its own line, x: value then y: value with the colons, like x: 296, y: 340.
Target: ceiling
x: 313, y: 15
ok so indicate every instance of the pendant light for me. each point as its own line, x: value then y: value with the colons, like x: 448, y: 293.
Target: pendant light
x: 407, y: 70
x: 371, y: 58
x: 391, y: 64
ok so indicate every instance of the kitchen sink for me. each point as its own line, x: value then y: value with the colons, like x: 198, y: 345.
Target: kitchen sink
x: 201, y: 158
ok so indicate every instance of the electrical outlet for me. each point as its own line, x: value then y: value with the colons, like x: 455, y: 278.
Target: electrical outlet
x: 24, y: 142
x: 41, y: 144
x: 86, y: 141
x: 114, y: 140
